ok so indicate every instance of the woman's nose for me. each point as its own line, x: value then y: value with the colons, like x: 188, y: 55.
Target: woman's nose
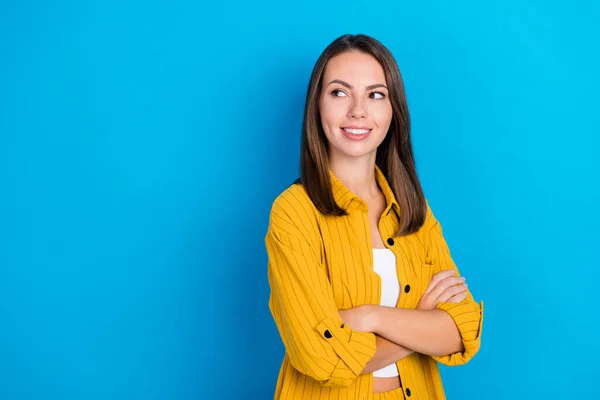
x: 357, y: 110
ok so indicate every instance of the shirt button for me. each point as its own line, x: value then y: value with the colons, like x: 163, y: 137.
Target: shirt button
x: 408, y: 392
x: 390, y: 241
x: 407, y: 289
x: 328, y: 334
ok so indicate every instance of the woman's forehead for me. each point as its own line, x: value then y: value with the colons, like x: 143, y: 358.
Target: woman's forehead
x: 354, y: 67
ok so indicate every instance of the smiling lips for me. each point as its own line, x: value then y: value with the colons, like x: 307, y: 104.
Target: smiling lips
x: 355, y: 132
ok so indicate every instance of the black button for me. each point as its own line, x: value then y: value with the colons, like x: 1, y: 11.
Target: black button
x: 328, y: 334
x: 408, y: 392
x: 342, y: 326
x: 407, y: 289
x: 390, y: 241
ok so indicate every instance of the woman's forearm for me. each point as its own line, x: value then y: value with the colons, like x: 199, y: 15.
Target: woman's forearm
x: 431, y: 332
x: 386, y: 353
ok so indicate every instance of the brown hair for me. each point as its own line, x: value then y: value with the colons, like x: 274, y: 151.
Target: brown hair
x: 394, y: 154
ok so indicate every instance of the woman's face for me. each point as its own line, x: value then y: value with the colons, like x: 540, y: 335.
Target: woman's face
x: 355, y: 108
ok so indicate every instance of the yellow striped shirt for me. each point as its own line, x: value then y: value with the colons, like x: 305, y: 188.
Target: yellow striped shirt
x: 320, y: 264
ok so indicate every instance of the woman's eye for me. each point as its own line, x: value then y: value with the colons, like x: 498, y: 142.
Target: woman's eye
x: 335, y: 93
x: 382, y: 96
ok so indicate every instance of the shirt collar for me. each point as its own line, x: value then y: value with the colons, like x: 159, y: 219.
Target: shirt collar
x: 345, y: 198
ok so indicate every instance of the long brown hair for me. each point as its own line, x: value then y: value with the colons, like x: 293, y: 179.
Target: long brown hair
x: 394, y: 154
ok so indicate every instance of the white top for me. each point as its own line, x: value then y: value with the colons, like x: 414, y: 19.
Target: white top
x: 384, y: 264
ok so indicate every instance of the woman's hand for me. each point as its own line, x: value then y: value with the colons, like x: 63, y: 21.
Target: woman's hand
x: 361, y: 318
x: 444, y: 286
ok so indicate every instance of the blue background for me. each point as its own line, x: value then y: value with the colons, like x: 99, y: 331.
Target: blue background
x: 142, y: 145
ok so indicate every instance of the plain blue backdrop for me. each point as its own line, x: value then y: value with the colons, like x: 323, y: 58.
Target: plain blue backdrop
x: 142, y: 144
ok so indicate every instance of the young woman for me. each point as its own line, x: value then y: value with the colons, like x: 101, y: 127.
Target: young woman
x: 364, y: 292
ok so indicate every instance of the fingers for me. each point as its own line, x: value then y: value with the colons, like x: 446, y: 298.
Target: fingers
x: 452, y: 291
x: 445, y: 284
x: 444, y: 287
x: 458, y: 297
x: 439, y: 277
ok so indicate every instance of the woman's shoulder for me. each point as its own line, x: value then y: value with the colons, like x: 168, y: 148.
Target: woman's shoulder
x: 430, y: 220
x: 294, y: 206
x: 293, y: 198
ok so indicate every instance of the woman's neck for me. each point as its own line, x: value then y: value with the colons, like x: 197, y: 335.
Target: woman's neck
x: 358, y: 177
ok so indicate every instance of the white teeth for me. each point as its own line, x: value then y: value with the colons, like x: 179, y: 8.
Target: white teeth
x: 357, y: 131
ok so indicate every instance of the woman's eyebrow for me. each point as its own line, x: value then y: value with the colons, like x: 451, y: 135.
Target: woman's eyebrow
x: 349, y: 86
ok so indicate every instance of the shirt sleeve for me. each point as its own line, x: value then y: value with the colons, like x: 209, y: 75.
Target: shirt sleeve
x: 468, y: 314
x: 303, y: 307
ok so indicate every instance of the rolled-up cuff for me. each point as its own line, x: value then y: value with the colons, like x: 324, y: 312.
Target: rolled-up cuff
x: 468, y: 317
x: 354, y: 348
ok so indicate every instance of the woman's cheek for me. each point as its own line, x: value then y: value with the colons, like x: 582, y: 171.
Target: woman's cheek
x: 382, y: 114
